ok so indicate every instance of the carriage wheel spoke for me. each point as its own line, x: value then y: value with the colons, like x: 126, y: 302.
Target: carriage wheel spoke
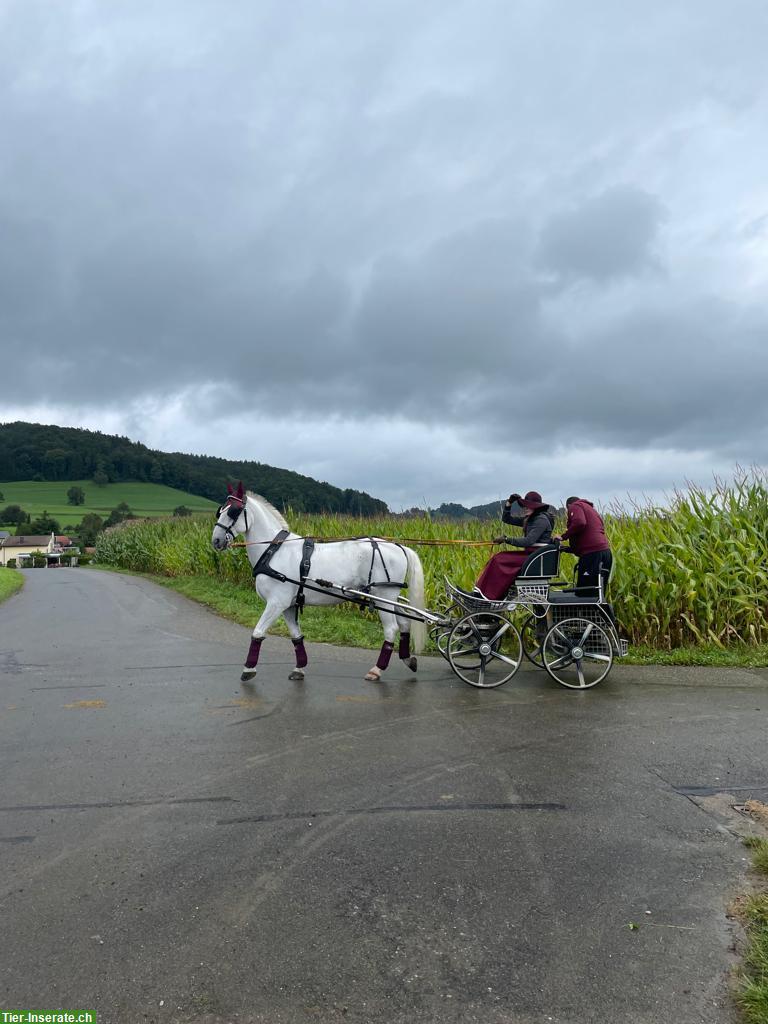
x: 481, y: 677
x: 579, y: 670
x: 464, y: 650
x: 475, y: 630
x: 596, y: 657
x: 566, y: 659
x: 587, y: 631
x: 500, y: 633
x: 503, y: 657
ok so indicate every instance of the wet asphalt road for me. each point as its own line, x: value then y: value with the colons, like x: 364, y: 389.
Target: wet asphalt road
x: 179, y: 847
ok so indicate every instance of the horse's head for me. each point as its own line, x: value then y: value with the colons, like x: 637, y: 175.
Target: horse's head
x: 232, y: 518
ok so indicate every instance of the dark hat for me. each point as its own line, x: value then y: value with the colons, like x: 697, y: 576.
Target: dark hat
x: 533, y: 500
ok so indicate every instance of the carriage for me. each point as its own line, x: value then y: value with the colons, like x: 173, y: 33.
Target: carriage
x: 569, y: 631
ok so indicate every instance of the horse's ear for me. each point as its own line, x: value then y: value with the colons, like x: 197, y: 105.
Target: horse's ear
x: 229, y: 489
x: 240, y: 490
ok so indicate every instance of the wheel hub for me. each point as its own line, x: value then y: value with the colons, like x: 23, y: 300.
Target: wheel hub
x: 484, y: 649
x: 577, y: 653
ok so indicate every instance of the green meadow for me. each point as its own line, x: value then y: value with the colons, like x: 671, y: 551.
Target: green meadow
x: 145, y: 500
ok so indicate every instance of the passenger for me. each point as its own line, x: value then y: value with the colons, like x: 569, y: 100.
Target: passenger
x: 586, y: 538
x: 537, y: 521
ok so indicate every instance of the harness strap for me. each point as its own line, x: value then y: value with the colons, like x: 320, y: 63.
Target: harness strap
x: 376, y: 550
x: 262, y: 567
x: 306, y: 561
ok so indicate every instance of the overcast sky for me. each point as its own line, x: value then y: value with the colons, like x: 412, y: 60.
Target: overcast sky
x: 437, y: 251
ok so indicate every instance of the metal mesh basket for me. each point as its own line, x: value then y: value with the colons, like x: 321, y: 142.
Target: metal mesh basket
x: 532, y: 593
x: 623, y: 648
x: 472, y: 602
x: 590, y: 612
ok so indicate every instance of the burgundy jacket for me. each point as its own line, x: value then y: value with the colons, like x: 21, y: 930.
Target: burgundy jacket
x: 585, y: 533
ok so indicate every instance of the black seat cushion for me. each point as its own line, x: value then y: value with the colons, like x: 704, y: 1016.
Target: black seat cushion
x: 570, y: 597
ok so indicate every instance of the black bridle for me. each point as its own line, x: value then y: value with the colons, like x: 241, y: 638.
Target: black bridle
x: 234, y: 507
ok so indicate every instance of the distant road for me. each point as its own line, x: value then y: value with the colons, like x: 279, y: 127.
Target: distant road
x: 178, y: 847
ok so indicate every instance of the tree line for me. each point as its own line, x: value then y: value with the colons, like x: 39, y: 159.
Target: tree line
x: 33, y: 451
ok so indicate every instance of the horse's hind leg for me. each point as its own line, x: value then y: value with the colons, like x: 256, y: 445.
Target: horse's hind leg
x: 389, y: 622
x: 292, y: 621
x: 404, y: 651
x: 268, y: 616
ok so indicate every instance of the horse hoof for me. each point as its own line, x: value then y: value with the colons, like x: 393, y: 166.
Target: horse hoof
x: 248, y: 673
x: 373, y: 676
x: 412, y: 663
x: 297, y: 675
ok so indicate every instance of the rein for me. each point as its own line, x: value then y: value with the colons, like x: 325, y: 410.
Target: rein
x: 394, y: 540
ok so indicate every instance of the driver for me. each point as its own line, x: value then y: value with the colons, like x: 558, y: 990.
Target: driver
x: 537, y: 521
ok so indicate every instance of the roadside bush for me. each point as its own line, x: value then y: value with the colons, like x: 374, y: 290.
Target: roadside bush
x: 11, y: 563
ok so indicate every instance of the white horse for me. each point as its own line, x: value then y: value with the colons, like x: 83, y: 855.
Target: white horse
x: 380, y: 565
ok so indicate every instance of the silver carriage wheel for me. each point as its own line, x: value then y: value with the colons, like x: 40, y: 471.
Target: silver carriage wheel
x: 465, y: 644
x: 533, y: 642
x: 577, y: 653
x: 484, y: 649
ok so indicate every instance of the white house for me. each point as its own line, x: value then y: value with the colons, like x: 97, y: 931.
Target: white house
x: 22, y: 548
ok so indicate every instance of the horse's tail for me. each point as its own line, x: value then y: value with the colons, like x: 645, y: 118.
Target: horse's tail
x: 416, y: 598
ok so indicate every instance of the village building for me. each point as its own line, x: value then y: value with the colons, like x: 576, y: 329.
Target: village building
x: 23, y: 549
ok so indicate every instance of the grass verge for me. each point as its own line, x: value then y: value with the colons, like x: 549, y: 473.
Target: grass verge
x: 347, y: 626
x: 752, y: 995
x: 735, y: 656
x: 10, y: 582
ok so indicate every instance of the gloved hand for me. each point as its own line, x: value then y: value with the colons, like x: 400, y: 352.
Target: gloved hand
x: 513, y: 498
x: 501, y: 540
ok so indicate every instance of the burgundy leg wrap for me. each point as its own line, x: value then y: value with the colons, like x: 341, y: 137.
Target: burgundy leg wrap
x: 301, y: 653
x: 253, y: 653
x: 385, y: 654
x: 405, y: 645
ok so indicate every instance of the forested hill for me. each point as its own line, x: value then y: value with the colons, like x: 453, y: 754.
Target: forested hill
x: 32, y: 451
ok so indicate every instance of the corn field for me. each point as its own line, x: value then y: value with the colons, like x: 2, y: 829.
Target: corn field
x: 695, y: 572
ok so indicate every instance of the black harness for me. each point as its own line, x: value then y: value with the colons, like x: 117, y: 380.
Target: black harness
x: 262, y: 567
x: 306, y: 561
x: 235, y: 508
x: 376, y: 550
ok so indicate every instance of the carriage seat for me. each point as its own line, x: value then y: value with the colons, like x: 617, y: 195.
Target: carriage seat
x: 573, y: 597
x: 542, y: 564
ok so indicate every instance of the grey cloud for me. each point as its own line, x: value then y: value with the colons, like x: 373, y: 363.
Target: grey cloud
x: 609, y: 236
x: 382, y: 210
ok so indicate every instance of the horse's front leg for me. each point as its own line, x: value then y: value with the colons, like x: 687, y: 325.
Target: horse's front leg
x: 389, y: 622
x: 268, y: 617
x: 292, y: 621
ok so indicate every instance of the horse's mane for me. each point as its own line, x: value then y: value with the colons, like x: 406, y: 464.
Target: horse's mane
x: 268, y: 507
